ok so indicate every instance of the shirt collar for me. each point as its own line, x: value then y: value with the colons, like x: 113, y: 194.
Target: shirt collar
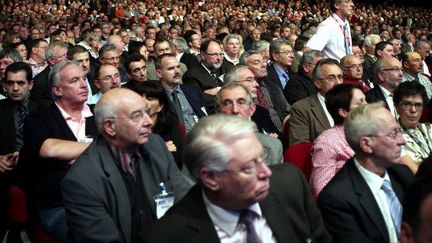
x: 279, y: 70
x: 85, y: 112
x: 227, y: 220
x: 373, y: 180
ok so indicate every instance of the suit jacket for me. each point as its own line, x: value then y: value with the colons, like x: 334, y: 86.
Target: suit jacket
x: 41, y: 92
x: 95, y: 196
x: 368, y: 67
x: 273, y: 77
x: 289, y: 209
x: 299, y: 87
x: 273, y: 146
x: 44, y: 175
x: 349, y: 208
x: 189, y: 60
x: 198, y: 75
x: 194, y: 95
x: 375, y: 95
x: 277, y: 97
x: 307, y: 121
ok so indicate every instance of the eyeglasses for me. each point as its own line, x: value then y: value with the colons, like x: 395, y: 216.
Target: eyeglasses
x: 239, y: 102
x: 112, y: 59
x: 250, y: 80
x: 408, y: 105
x: 393, y: 135
x: 252, y: 167
x: 287, y: 52
x: 397, y: 69
x: 215, y: 54
x: 354, y: 66
x: 333, y: 78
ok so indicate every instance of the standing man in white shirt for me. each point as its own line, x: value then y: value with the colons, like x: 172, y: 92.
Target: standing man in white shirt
x: 333, y: 36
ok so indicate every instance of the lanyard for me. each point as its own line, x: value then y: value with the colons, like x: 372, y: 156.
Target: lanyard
x: 345, y: 33
x: 416, y: 140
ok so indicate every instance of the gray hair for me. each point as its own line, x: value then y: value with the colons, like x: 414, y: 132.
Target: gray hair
x: 54, y: 74
x: 208, y: 144
x: 420, y: 44
x: 368, y: 39
x: 219, y: 98
x: 180, y: 43
x: 378, y: 66
x: 309, y: 57
x: 361, y: 122
x: 106, y: 48
x: 276, y: 45
x: 327, y: 61
x: 53, y: 47
x: 261, y: 45
x: 246, y: 55
x: 102, y: 112
x: 231, y: 76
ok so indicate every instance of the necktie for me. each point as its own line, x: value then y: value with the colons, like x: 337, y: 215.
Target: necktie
x: 347, y: 39
x: 129, y: 161
x: 285, y: 81
x: 216, y: 78
x: 394, y: 204
x: 261, y: 98
x: 246, y: 218
x: 22, y: 112
x: 177, y: 106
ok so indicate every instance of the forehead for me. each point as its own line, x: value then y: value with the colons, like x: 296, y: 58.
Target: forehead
x: 71, y: 71
x: 213, y: 47
x: 80, y: 56
x: 413, y: 98
x: 329, y: 69
x: 255, y: 57
x: 245, y: 73
x: 7, y: 59
x: 413, y: 55
x: 285, y: 47
x: 163, y: 44
x: 18, y: 76
x: 111, y: 54
x: 140, y: 63
x: 352, y: 59
x: 392, y: 62
x: 234, y: 93
x: 169, y: 61
x: 107, y: 69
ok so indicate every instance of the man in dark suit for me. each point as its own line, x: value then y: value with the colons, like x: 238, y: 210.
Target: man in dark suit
x: 309, y: 116
x: 136, y: 68
x: 13, y: 110
x: 207, y: 74
x: 186, y: 100
x: 301, y: 85
x: 389, y: 74
x: 41, y: 93
x: 53, y: 138
x: 110, y: 192
x: 235, y: 198
x: 281, y: 54
x: 362, y: 203
x: 181, y: 50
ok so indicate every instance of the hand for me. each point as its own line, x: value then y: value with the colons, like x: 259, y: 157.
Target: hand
x: 273, y: 135
x: 8, y: 161
x: 212, y: 91
x: 171, y: 146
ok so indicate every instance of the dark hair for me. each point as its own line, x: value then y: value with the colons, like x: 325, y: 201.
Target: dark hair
x: 407, y: 89
x: 136, y: 57
x: 300, y: 43
x: 206, y: 42
x: 188, y: 35
x: 414, y: 199
x: 326, y: 61
x: 135, y: 46
x: 75, y: 50
x: 339, y: 97
x: 20, y: 66
x: 381, y: 46
x: 36, y: 43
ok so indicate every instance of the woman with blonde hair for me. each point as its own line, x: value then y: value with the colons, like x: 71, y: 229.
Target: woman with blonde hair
x: 233, y: 46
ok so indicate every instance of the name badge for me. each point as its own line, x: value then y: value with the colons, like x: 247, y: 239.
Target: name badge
x: 164, y: 201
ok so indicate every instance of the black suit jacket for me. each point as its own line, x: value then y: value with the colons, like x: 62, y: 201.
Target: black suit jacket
x: 198, y: 75
x: 273, y: 77
x: 45, y: 174
x: 189, y: 60
x: 375, y: 95
x: 289, y: 209
x: 349, y: 208
x: 194, y: 96
x: 299, y: 87
x: 277, y: 97
x: 41, y: 92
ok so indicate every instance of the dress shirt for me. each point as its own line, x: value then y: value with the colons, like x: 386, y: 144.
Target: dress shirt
x: 323, y: 105
x: 389, y: 99
x: 36, y: 67
x: 420, y: 149
x: 190, y: 118
x: 78, y: 127
x: 422, y: 79
x: 329, y: 153
x: 228, y: 229
x: 94, y: 98
x: 426, y: 69
x: 374, y: 183
x: 283, y: 76
x: 229, y: 59
x: 330, y: 38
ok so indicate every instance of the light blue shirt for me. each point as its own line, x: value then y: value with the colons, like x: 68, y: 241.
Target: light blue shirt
x: 283, y: 76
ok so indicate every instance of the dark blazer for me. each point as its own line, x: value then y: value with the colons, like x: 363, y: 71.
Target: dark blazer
x: 349, y: 208
x: 307, y: 121
x: 375, y: 95
x: 277, y: 97
x: 198, y: 75
x: 299, y: 87
x: 95, y: 196
x: 262, y: 119
x: 194, y: 95
x: 45, y: 174
x: 273, y: 77
x: 368, y: 67
x: 41, y: 92
x: 289, y: 210
x: 189, y: 60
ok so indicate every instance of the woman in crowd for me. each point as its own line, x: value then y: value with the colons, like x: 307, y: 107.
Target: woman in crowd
x: 233, y: 46
x: 409, y: 100
x: 164, y: 123
x: 331, y: 150
x: 21, y: 49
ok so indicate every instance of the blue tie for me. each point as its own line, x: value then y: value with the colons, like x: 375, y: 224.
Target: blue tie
x: 394, y: 204
x: 346, y: 41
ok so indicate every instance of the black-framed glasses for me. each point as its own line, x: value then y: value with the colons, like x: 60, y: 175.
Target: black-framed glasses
x: 398, y: 69
x: 252, y: 167
x: 408, y: 105
x: 214, y: 54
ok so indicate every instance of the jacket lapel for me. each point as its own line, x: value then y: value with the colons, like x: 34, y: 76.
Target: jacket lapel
x: 319, y: 113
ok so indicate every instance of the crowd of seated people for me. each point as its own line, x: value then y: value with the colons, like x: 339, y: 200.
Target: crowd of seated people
x: 101, y: 105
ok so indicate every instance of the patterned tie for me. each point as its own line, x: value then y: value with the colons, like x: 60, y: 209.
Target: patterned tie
x: 22, y: 113
x: 347, y: 39
x: 395, y: 206
x: 261, y: 98
x: 246, y: 217
x: 177, y: 106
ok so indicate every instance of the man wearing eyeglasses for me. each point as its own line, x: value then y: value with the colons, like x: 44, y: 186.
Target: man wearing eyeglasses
x: 333, y: 36
x: 352, y: 68
x: 281, y: 55
x: 309, y: 116
x: 238, y: 198
x: 362, y: 203
x: 107, y: 77
x: 388, y: 73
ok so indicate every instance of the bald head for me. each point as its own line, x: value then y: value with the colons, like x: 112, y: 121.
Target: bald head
x: 352, y: 67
